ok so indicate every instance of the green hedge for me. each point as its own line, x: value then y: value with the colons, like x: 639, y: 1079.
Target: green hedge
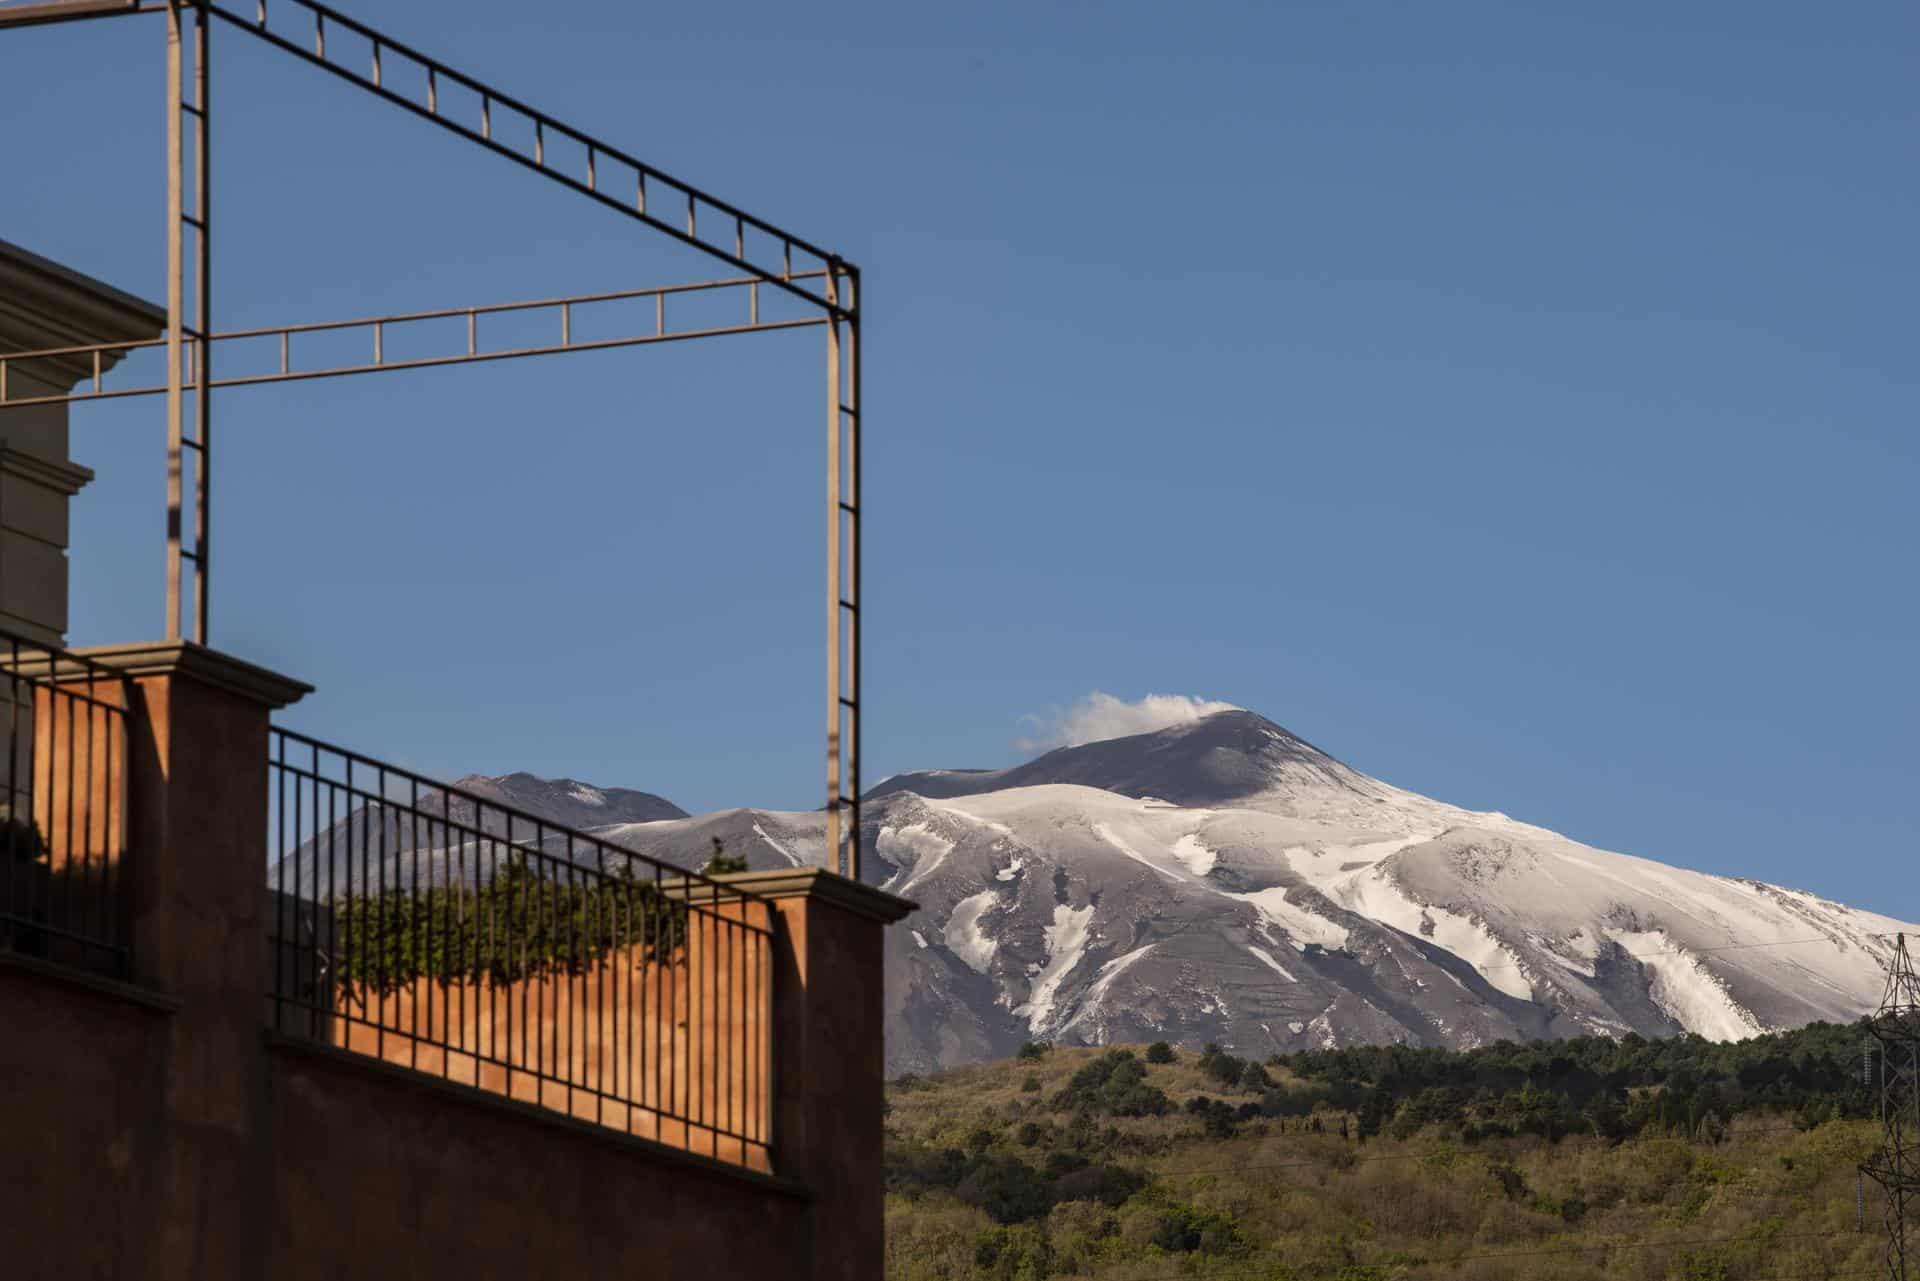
x: 517, y: 925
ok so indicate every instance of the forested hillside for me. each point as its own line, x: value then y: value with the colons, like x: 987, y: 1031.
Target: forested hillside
x: 1632, y: 1160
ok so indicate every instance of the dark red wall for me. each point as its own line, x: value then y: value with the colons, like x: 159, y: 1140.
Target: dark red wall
x: 437, y: 1181
x: 358, y: 1169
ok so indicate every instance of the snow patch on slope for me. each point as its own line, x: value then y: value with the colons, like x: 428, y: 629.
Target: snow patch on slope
x: 970, y: 817
x: 777, y: 847
x: 1695, y: 997
x: 1272, y: 964
x: 1102, y: 980
x: 1303, y: 925
x: 1375, y: 894
x: 1067, y: 941
x: 915, y: 845
x: 1198, y: 858
x: 1108, y: 835
x: 963, y: 934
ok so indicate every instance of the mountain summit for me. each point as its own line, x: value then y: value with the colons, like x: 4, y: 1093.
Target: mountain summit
x: 1226, y: 880
x: 1215, y: 760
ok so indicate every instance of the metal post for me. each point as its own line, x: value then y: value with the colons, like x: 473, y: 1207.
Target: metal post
x: 835, y: 818
x: 855, y: 507
x: 176, y: 302
x: 843, y: 573
x: 181, y: 224
x: 203, y: 310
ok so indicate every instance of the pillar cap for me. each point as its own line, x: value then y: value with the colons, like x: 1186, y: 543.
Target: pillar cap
x: 797, y: 882
x: 197, y: 662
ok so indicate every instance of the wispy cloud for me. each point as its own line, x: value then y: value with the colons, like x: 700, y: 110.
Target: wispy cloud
x: 1101, y: 715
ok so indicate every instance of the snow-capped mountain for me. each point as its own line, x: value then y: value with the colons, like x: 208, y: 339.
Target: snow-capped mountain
x: 1224, y: 880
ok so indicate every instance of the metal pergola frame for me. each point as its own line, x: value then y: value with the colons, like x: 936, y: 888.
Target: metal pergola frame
x: 760, y: 255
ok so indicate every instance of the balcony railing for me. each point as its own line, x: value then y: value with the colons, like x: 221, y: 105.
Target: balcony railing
x: 63, y: 813
x: 434, y: 928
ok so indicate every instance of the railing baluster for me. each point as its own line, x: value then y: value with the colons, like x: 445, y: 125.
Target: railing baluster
x: 529, y: 951
x: 59, y: 886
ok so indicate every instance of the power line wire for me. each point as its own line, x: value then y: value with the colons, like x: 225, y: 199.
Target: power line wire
x: 1334, y: 1159
x: 1679, y: 951
x: 1642, y: 1245
x: 1247, y: 1269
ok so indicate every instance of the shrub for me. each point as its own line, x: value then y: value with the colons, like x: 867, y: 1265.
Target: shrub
x: 722, y: 862
x: 1217, y: 1118
x: 1030, y: 1050
x: 1012, y: 1252
x: 1225, y: 1068
x: 1160, y: 1052
x: 519, y: 923
x: 1110, y: 1185
x: 20, y: 841
x: 1007, y: 1188
x: 1077, y: 1230
x: 1115, y: 1084
x: 1179, y: 1228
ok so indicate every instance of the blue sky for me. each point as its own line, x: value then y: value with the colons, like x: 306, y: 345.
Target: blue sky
x: 1518, y: 404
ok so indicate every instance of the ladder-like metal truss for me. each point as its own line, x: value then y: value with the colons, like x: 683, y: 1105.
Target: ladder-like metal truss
x: 764, y: 259
x: 1896, y: 1166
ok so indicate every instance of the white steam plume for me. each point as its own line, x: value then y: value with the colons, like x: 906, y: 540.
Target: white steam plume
x: 1100, y: 715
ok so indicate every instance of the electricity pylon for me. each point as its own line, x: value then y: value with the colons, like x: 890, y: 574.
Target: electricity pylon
x: 1896, y: 1166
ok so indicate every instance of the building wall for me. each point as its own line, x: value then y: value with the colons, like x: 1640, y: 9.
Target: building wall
x: 159, y: 1129
x: 357, y: 1168
x: 440, y: 1181
x: 81, y: 1132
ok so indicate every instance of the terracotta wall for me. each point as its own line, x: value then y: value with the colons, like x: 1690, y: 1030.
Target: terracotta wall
x: 677, y: 1050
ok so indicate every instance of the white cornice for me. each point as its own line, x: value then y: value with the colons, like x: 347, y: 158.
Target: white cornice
x: 45, y: 305
x: 62, y: 477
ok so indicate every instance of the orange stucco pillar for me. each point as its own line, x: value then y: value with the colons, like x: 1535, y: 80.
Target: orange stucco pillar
x: 829, y: 1059
x: 195, y: 887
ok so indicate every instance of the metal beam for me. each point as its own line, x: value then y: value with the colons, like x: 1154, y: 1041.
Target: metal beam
x: 35, y: 15
x: 379, y: 328
x: 609, y: 176
x: 651, y: 189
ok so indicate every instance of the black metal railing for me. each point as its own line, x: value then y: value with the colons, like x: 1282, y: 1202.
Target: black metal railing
x: 432, y: 927
x: 63, y: 815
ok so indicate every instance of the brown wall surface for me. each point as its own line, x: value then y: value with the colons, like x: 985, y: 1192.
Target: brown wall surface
x: 80, y: 1126
x: 437, y: 1181
x: 360, y: 1170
